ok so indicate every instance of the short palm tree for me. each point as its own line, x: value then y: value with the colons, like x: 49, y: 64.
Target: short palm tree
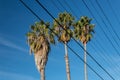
x: 39, y: 39
x: 62, y: 27
x: 83, y: 31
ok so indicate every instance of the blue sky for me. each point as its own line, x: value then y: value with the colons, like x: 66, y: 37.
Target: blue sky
x: 17, y: 64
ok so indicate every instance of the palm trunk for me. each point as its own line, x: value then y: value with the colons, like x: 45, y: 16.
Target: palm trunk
x: 67, y: 62
x: 42, y: 72
x: 85, y: 60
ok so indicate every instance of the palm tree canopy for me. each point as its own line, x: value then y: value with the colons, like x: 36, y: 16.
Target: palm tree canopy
x: 83, y: 29
x: 38, y: 34
x: 39, y: 39
x: 62, y: 26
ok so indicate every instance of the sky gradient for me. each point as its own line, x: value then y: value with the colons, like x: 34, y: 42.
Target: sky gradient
x: 15, y: 20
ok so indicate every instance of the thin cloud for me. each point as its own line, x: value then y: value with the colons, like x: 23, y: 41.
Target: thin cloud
x: 15, y: 76
x: 10, y: 44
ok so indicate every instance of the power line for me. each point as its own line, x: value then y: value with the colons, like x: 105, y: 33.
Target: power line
x: 55, y: 5
x: 62, y: 5
x: 71, y: 11
x: 115, y: 15
x: 106, y: 58
x: 30, y: 10
x: 103, y: 22
x: 99, y: 37
x: 70, y: 8
x: 101, y: 28
x: 77, y: 7
x: 94, y: 44
x: 67, y: 45
x: 109, y: 32
x: 85, y: 62
x: 76, y: 41
x: 107, y: 19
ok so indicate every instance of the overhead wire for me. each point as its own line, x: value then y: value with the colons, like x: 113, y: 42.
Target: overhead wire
x: 78, y: 43
x: 70, y: 9
x: 115, y: 15
x: 98, y: 34
x: 77, y: 7
x: 62, y: 5
x: 55, y: 5
x: 105, y: 34
x: 96, y: 10
x: 67, y: 45
x: 72, y: 12
x: 102, y: 48
x: 107, y: 19
x: 104, y: 23
x: 106, y: 58
x: 90, y: 44
x: 85, y: 63
x: 102, y: 29
x: 93, y: 44
x: 30, y: 10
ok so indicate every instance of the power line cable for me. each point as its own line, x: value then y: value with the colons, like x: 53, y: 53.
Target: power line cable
x: 72, y: 11
x: 108, y: 30
x: 77, y: 7
x: 107, y: 26
x: 30, y: 10
x: 91, y: 45
x: 103, y: 22
x: 115, y: 15
x: 85, y: 63
x: 107, y: 19
x: 56, y: 5
x: 109, y: 59
x: 102, y: 30
x: 109, y: 40
x: 62, y: 5
x: 70, y: 8
x: 77, y: 42
x: 97, y: 43
x: 67, y: 45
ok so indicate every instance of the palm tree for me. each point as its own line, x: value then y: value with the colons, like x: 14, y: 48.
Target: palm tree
x: 39, y: 39
x: 83, y: 31
x: 62, y: 27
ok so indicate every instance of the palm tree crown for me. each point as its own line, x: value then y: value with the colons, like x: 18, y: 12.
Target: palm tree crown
x: 62, y: 26
x: 39, y: 39
x: 83, y: 29
x: 38, y: 34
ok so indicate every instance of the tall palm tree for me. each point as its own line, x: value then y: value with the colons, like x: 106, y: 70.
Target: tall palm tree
x: 83, y: 30
x: 39, y: 39
x: 62, y: 27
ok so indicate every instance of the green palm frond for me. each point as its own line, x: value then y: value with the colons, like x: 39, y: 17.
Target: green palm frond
x: 39, y: 33
x: 83, y: 29
x: 64, y: 29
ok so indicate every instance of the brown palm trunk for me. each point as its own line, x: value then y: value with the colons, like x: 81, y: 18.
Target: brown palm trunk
x: 85, y: 60
x: 67, y: 62
x: 42, y: 72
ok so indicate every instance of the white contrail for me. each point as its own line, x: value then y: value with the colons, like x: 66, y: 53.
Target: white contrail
x: 10, y: 44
